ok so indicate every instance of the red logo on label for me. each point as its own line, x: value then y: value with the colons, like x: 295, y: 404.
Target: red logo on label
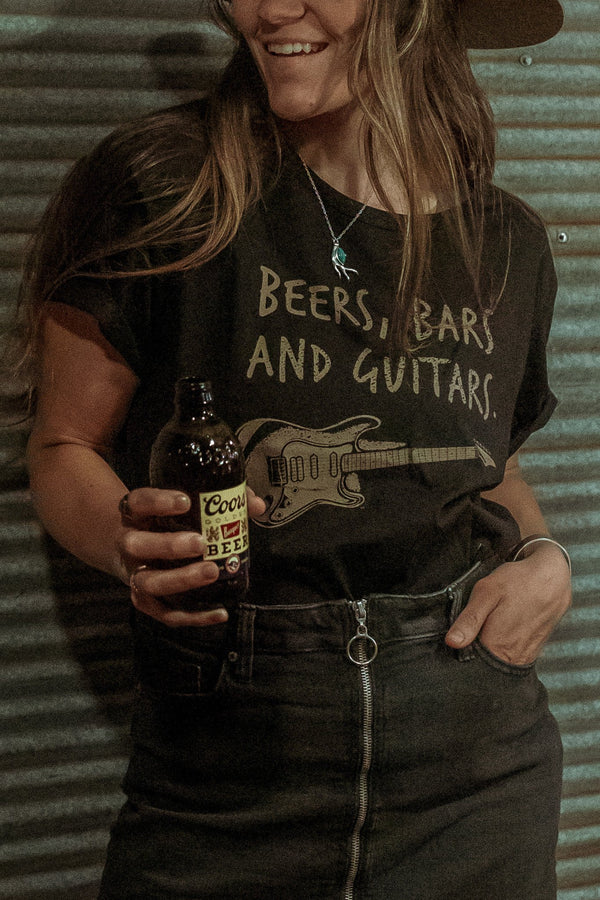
x: 230, y: 530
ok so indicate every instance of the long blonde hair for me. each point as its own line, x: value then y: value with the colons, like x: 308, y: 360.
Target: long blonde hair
x: 425, y: 116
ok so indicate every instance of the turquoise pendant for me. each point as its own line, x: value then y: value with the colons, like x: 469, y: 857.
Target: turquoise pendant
x: 338, y: 258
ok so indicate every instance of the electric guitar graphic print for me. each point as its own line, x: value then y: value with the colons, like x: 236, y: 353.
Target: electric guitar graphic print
x: 295, y: 469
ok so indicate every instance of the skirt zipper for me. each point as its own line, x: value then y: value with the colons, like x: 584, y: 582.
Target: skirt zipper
x: 361, y: 650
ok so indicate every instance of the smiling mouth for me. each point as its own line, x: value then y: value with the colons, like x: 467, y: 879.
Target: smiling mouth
x: 294, y: 49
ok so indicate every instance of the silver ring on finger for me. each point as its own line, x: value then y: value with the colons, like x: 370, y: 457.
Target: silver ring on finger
x: 125, y: 509
x: 132, y: 582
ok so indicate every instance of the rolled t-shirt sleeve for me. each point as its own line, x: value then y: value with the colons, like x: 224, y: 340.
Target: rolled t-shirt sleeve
x: 121, y: 306
x: 90, y: 221
x: 535, y: 401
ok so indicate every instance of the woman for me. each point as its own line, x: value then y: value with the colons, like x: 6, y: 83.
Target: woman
x: 321, y: 239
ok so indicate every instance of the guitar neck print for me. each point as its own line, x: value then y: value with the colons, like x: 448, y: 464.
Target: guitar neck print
x: 294, y: 468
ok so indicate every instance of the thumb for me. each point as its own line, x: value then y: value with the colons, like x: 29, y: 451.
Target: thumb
x: 472, y: 619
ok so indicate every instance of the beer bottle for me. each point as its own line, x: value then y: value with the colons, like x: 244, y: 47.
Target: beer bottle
x: 197, y: 452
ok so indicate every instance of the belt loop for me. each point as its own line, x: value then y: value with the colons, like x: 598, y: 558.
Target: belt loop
x: 455, y: 593
x: 244, y: 656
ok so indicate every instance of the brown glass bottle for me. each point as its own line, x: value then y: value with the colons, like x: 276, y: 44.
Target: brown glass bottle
x: 196, y: 452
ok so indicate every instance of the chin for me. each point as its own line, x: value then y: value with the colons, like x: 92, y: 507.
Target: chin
x: 293, y: 112
x: 301, y: 109
x: 297, y: 106
x: 305, y: 113
x: 295, y: 117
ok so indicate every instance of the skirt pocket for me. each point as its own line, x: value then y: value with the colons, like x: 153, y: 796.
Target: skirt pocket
x: 168, y: 668
x: 501, y: 665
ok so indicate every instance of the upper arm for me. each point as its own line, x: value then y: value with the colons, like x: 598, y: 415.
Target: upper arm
x: 512, y: 469
x: 85, y: 386
x: 513, y: 476
x: 517, y: 496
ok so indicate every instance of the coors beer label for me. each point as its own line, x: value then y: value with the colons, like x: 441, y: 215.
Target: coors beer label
x: 224, y: 523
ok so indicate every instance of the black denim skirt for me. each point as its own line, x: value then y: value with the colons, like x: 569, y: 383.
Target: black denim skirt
x: 336, y: 751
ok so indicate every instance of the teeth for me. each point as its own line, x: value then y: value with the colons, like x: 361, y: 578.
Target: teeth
x: 289, y: 49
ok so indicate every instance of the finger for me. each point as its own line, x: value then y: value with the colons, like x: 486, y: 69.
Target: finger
x: 473, y: 617
x: 152, y: 605
x: 137, y: 545
x: 177, y: 618
x: 516, y: 649
x: 256, y: 505
x: 179, y: 580
x: 145, y: 503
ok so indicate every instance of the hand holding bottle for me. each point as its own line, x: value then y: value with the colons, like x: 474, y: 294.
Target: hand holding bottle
x: 198, y: 471
x: 143, y: 545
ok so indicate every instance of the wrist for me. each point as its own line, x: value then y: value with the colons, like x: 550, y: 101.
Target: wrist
x: 537, y: 543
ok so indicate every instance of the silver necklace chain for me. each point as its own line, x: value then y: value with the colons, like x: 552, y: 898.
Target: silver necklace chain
x: 338, y: 256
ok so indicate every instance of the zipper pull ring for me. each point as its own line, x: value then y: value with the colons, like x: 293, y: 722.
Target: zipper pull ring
x: 361, y: 649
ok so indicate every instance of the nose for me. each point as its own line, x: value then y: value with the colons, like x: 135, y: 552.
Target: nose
x: 280, y: 12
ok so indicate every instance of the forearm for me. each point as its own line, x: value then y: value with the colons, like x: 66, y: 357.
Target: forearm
x: 517, y: 496
x: 76, y: 495
x: 514, y: 609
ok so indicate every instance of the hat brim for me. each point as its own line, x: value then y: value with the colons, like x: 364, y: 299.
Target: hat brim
x: 494, y: 24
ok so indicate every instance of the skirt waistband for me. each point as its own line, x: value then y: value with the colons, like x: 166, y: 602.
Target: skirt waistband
x: 330, y: 624
x: 176, y: 662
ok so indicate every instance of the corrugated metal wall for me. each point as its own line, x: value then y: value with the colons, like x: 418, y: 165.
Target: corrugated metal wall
x: 69, y: 72
x: 547, y: 100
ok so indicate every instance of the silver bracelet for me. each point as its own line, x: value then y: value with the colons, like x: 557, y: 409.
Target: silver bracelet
x: 518, y: 551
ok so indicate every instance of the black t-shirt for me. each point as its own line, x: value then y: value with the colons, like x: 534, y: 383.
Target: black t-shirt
x: 371, y: 460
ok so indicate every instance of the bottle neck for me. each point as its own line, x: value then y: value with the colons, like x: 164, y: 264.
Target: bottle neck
x: 193, y: 400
